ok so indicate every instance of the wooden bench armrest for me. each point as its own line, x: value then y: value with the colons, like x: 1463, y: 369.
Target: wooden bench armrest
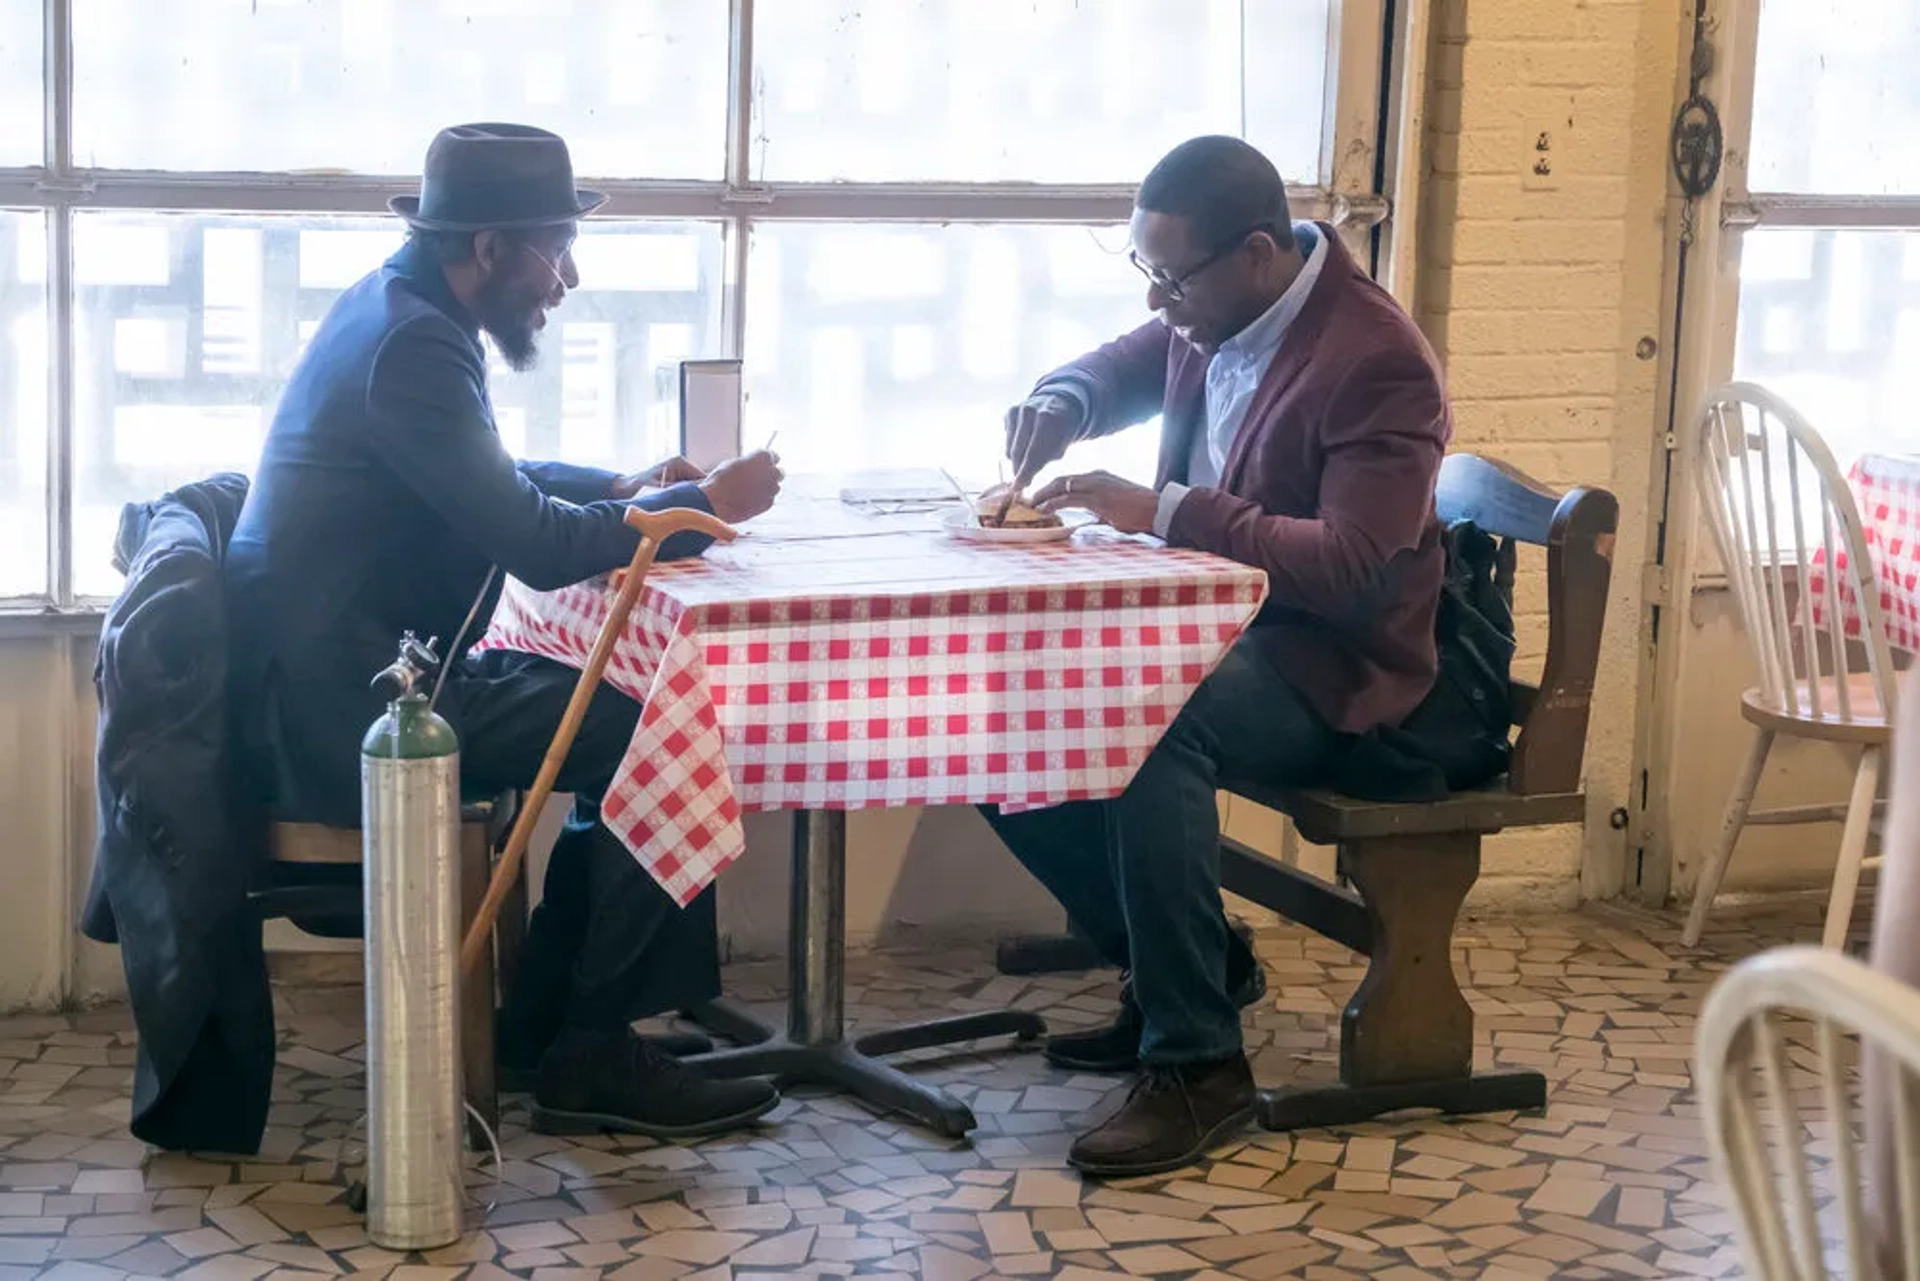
x: 1578, y: 530
x: 1551, y: 751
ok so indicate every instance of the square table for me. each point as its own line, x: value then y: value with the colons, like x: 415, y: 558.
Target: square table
x: 839, y: 657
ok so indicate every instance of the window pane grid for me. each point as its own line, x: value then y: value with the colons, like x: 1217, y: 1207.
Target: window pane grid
x: 638, y: 87
x: 931, y: 330
x: 1833, y: 107
x: 180, y: 328
x: 961, y: 90
x: 1830, y: 320
x: 188, y: 326
x: 1829, y: 269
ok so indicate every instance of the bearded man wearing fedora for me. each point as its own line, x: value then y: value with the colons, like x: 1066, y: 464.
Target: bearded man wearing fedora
x: 385, y: 502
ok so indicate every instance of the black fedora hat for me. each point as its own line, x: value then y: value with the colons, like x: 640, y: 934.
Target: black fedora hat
x: 501, y: 176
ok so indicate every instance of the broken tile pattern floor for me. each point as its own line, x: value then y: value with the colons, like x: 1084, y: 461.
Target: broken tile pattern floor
x: 1613, y: 1181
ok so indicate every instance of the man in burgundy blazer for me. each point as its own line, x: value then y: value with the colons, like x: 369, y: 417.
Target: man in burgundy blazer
x: 1303, y: 426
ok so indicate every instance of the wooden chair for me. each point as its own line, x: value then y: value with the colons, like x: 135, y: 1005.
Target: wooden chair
x: 315, y: 882
x: 1406, y: 1036
x: 1773, y: 494
x: 1747, y: 1052
x: 319, y: 887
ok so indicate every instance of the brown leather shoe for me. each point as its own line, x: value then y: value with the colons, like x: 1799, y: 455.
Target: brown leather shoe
x: 1173, y: 1116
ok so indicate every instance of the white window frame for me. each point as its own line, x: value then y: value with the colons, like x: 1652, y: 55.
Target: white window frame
x: 1709, y: 307
x: 57, y: 188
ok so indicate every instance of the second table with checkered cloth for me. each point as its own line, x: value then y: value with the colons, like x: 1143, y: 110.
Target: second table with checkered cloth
x: 838, y: 658
x: 1886, y: 490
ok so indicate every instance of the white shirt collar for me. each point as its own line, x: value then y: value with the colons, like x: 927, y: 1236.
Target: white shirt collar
x: 1260, y: 340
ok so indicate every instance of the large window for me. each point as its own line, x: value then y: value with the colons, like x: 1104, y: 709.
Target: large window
x: 186, y: 327
x: 1829, y: 286
x: 897, y: 214
x: 1032, y: 90
x: 927, y: 329
x: 639, y: 87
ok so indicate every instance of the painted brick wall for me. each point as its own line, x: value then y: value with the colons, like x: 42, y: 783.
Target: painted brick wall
x: 1536, y: 288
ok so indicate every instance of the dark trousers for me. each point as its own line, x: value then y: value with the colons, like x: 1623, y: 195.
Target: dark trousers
x: 606, y: 945
x: 1141, y: 873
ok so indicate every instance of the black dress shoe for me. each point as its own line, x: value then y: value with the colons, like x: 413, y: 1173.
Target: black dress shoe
x: 592, y: 1081
x: 1173, y: 1117
x: 1116, y: 1047
x: 518, y: 1054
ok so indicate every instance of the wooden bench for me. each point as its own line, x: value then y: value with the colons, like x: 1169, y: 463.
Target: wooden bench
x: 1406, y: 1035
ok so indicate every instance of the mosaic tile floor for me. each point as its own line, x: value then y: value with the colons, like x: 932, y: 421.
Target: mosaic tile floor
x: 1612, y: 1182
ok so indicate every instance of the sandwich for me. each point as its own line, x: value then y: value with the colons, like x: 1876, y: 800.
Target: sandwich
x: 1019, y: 514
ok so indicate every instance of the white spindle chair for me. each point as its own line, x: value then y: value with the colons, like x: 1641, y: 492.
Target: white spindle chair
x: 1772, y: 494
x: 1752, y: 1080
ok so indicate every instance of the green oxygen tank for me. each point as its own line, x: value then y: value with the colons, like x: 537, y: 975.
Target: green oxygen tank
x: 410, y: 824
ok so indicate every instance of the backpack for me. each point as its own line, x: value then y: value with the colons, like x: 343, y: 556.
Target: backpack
x: 1458, y: 736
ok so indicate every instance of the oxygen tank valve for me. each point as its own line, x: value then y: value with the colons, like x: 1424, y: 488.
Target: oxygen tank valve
x: 407, y: 673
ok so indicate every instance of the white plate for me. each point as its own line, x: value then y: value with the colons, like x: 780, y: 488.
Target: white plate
x: 960, y: 525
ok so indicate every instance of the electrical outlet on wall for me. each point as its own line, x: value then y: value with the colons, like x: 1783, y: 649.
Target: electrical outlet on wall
x: 1537, y: 172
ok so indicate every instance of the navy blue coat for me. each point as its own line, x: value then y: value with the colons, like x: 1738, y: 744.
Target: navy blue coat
x: 175, y: 852
x: 383, y: 495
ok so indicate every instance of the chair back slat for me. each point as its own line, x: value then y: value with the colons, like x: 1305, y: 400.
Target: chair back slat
x: 1761, y: 560
x: 1777, y: 585
x: 1803, y: 565
x: 1789, y: 1167
x: 1838, y: 593
x: 1765, y: 1226
x: 1836, y: 644
x: 1798, y: 496
x: 1779, y: 508
x: 1716, y: 492
x: 1846, y: 1159
x: 1577, y: 529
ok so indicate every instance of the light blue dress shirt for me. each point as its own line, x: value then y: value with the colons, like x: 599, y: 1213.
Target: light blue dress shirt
x: 1234, y: 374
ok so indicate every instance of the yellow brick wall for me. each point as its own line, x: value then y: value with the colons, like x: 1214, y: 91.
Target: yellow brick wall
x: 1536, y: 289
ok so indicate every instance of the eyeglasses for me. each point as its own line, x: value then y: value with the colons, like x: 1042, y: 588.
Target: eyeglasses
x: 1174, y: 288
x: 549, y: 263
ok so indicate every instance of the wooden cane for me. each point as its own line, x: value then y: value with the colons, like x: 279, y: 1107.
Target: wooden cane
x: 654, y: 528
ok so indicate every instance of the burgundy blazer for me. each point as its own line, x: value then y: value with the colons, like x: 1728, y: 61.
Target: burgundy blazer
x: 1328, y: 486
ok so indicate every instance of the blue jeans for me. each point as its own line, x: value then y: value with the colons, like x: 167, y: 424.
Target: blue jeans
x: 1141, y: 873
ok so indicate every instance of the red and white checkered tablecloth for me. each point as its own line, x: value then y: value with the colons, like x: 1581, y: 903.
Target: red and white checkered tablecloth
x: 1886, y: 488
x: 831, y: 659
